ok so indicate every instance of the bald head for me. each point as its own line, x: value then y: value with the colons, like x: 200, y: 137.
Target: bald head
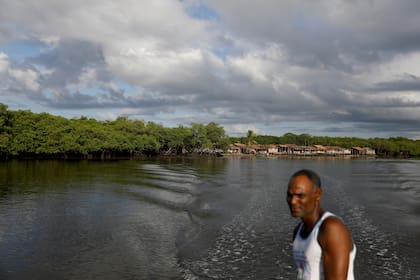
x: 311, y: 175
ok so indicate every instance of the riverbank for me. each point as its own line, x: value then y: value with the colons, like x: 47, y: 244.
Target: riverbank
x: 106, y: 157
x: 297, y: 156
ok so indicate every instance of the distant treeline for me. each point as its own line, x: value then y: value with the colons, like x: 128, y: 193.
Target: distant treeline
x: 390, y: 147
x: 27, y: 134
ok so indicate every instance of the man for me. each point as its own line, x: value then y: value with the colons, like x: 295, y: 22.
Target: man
x: 322, y: 245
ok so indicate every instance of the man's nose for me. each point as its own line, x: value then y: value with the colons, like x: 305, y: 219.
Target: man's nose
x: 292, y: 199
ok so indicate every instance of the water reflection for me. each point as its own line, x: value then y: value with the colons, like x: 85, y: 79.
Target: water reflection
x: 196, y: 218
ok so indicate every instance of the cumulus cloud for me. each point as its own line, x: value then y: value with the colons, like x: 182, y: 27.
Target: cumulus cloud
x: 27, y: 78
x: 274, y: 67
x: 4, y: 62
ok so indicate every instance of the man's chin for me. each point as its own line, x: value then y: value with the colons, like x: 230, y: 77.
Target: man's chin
x: 295, y: 214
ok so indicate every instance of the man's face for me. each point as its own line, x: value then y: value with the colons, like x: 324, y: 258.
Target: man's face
x: 301, y: 197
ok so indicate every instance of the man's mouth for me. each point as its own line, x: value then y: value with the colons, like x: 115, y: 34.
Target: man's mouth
x: 294, y: 210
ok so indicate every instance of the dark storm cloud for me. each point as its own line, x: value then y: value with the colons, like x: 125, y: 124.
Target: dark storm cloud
x: 375, y: 129
x: 75, y: 100
x: 111, y: 100
x: 407, y: 83
x: 319, y: 34
x: 68, y: 60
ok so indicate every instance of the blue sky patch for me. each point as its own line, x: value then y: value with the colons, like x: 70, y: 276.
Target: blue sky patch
x: 222, y: 53
x: 127, y: 88
x: 202, y: 12
x: 19, y: 50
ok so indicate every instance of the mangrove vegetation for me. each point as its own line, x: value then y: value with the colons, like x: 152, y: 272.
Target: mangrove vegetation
x: 27, y: 134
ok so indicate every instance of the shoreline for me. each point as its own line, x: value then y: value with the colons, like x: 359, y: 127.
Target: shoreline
x: 195, y: 155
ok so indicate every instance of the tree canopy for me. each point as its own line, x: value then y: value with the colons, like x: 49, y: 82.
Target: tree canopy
x: 24, y: 133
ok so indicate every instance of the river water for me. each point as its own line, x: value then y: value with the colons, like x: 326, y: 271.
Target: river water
x: 208, y: 218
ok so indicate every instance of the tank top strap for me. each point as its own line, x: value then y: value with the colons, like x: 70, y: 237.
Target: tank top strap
x: 326, y: 214
x: 299, y: 228
x: 323, y: 218
x: 317, y: 225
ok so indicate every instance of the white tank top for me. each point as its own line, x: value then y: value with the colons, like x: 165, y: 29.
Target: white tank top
x: 308, y: 254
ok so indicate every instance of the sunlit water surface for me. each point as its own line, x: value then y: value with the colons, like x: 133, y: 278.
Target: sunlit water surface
x: 211, y: 218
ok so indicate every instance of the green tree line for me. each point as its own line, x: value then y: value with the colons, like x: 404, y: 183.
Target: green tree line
x: 24, y: 134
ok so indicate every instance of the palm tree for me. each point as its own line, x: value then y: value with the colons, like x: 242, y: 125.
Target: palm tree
x: 250, y: 137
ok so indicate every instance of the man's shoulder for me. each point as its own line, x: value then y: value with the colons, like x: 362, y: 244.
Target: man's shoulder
x: 332, y: 222
x: 333, y: 228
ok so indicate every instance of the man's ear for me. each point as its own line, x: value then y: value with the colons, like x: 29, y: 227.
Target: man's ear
x: 318, y: 194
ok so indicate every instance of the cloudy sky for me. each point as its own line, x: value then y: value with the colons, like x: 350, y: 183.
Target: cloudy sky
x: 337, y: 68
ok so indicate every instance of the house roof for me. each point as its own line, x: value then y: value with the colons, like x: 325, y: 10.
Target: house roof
x: 320, y: 147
